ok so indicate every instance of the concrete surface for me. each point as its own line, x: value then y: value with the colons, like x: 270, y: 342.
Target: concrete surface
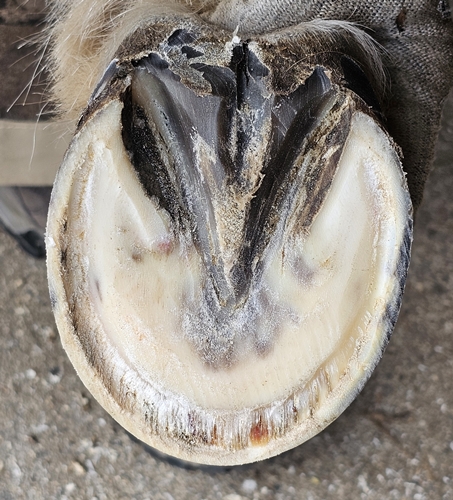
x: 394, y: 442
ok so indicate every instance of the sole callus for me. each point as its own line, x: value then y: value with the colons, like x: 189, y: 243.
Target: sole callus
x: 228, y: 242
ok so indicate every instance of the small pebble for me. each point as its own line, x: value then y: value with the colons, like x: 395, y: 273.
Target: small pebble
x: 39, y: 429
x: 249, y: 485
x: 70, y: 488
x: 77, y: 468
x: 16, y: 471
x: 30, y: 374
x: 19, y: 333
x: 55, y: 375
x: 48, y: 332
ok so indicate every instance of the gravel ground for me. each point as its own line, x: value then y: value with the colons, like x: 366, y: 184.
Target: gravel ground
x: 394, y: 442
